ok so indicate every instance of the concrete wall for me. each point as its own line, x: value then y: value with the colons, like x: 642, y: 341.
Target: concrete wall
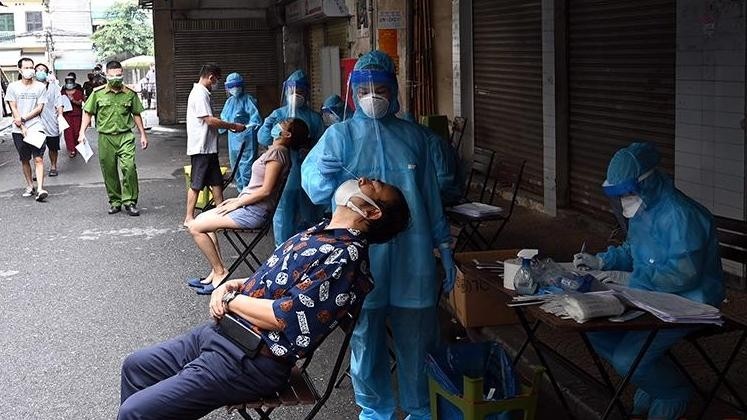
x: 442, y: 57
x: 710, y: 109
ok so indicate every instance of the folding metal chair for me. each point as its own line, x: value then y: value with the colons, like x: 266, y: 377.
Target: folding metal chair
x: 301, y: 389
x: 488, y: 184
x: 227, y: 180
x: 457, y: 132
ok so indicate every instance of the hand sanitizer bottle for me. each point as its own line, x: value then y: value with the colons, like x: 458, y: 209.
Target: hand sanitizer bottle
x: 525, y: 282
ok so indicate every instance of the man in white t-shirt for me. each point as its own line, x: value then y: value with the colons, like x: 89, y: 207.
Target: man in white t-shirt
x: 27, y: 98
x: 51, y: 111
x: 202, y: 139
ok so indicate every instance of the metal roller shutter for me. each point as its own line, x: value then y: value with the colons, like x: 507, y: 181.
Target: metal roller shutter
x: 246, y: 46
x: 621, y: 87
x: 508, y: 82
x: 336, y: 33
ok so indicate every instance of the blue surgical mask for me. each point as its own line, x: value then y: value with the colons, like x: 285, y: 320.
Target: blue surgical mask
x: 277, y: 130
x: 41, y: 76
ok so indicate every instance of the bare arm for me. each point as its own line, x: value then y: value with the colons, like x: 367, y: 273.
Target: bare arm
x: 257, y: 311
x: 34, y: 112
x: 214, y: 122
x: 139, y: 124
x: 85, y: 122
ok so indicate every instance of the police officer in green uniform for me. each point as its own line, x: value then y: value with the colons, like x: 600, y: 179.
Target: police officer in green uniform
x: 116, y: 108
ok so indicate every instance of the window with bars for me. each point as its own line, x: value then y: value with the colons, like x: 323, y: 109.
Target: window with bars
x: 6, y: 22
x: 34, y: 21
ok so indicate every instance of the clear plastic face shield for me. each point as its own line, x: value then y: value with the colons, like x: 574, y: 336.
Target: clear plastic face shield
x: 329, y: 116
x: 373, y: 92
x: 625, y: 198
x: 295, y: 97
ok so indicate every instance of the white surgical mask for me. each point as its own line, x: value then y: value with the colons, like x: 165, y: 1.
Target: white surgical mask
x: 329, y: 118
x: 295, y: 100
x: 374, y: 106
x: 630, y: 205
x: 28, y: 73
x: 349, y: 189
x: 234, y: 91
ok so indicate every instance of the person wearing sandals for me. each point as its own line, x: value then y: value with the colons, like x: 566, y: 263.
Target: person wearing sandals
x: 253, y: 206
x: 26, y: 98
x: 49, y: 114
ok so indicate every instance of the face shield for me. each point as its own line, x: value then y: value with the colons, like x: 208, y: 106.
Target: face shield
x: 625, y: 196
x: 373, y: 92
x: 329, y: 116
x: 294, y: 96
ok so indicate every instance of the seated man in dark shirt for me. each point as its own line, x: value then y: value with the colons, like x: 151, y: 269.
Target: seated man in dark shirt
x: 293, y: 302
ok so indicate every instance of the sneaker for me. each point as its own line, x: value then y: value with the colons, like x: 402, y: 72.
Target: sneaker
x: 29, y: 191
x: 131, y: 209
x: 42, y: 195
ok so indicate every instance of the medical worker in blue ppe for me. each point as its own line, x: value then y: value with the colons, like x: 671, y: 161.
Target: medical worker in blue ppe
x: 451, y: 182
x: 671, y: 247
x: 241, y: 107
x: 333, y: 110
x: 295, y: 211
x: 376, y: 144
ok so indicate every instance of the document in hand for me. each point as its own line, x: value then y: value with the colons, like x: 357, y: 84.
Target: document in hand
x: 85, y: 150
x: 669, y: 307
x: 66, y: 104
x: 35, y: 138
x: 62, y: 123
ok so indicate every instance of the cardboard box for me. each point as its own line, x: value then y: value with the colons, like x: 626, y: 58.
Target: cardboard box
x: 475, y: 300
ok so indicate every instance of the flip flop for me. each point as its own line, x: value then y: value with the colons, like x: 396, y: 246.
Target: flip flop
x: 207, y: 289
x: 196, y: 282
x: 53, y: 172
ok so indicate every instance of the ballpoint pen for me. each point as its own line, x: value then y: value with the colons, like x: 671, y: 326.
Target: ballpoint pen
x: 583, y: 266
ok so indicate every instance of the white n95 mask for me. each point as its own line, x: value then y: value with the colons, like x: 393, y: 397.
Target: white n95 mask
x: 630, y: 205
x: 349, y: 189
x: 374, y: 106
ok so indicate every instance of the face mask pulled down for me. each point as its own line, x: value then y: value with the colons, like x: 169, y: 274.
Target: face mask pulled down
x: 349, y: 189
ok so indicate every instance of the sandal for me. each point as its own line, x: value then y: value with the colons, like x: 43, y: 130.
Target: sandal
x: 72, y: 154
x: 53, y: 172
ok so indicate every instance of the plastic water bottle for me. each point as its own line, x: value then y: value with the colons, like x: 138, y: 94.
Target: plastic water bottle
x: 525, y: 282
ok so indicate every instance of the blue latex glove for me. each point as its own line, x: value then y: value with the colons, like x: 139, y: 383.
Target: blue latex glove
x: 447, y: 261
x: 329, y: 165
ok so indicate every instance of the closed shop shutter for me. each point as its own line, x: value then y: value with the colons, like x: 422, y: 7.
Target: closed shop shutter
x: 246, y: 46
x: 621, y: 87
x: 336, y: 34
x: 508, y: 82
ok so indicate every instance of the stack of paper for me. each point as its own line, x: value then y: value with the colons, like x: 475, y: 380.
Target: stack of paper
x: 669, y: 307
x: 476, y: 209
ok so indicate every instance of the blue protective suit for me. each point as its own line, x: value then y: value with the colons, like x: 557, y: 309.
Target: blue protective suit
x: 671, y: 247
x: 242, y: 109
x: 451, y: 183
x: 399, y: 153
x: 295, y: 211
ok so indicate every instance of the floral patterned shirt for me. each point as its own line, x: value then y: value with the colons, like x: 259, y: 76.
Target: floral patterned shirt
x: 314, y: 278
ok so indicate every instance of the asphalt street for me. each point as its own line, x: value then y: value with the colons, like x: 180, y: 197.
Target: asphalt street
x: 81, y: 289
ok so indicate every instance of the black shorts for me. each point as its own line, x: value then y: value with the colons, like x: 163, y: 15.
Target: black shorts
x: 25, y: 150
x: 53, y: 143
x: 205, y: 171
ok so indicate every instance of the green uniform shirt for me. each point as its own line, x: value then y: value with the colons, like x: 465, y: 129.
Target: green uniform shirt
x: 113, y: 110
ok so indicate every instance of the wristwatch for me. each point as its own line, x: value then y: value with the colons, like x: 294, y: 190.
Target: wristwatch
x: 228, y: 297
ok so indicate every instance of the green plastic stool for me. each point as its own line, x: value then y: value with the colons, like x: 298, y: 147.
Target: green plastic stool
x: 472, y: 405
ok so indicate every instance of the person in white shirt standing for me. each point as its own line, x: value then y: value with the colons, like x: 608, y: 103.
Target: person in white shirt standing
x: 50, y: 113
x: 27, y: 98
x: 202, y: 139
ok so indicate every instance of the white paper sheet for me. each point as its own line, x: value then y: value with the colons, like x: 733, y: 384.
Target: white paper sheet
x: 62, y: 123
x: 85, y: 150
x: 66, y: 104
x: 35, y: 138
